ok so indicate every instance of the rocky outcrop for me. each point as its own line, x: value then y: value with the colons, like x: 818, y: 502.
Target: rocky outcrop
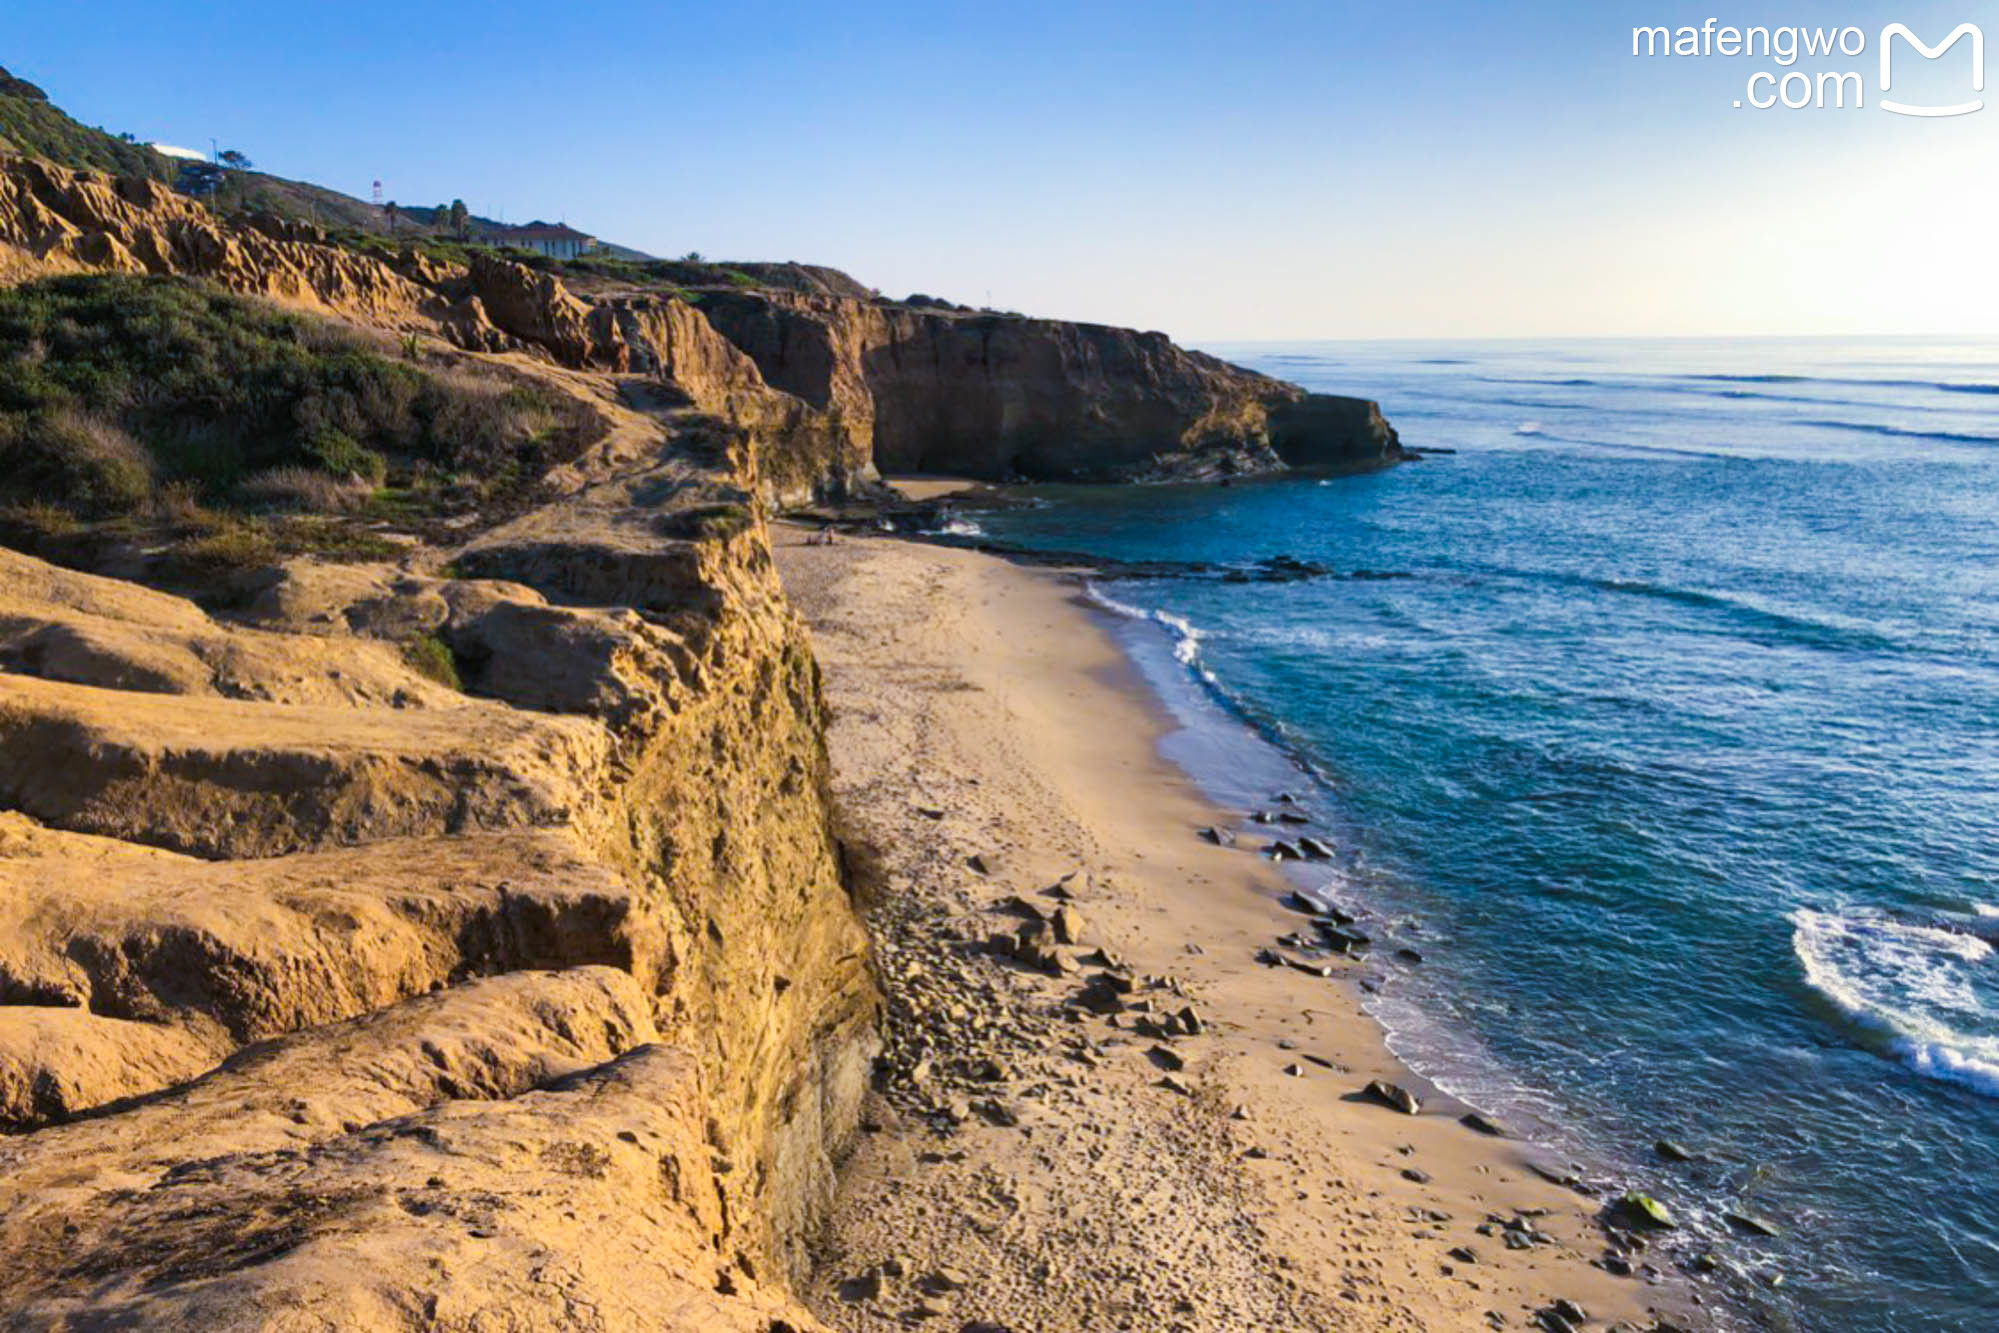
x: 524, y: 1152
x: 1002, y: 396
x: 805, y: 450
x: 53, y: 220
x: 1321, y: 430
x: 419, y: 1009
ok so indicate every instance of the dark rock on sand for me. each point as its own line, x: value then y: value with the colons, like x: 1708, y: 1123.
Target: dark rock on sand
x: 1394, y: 1095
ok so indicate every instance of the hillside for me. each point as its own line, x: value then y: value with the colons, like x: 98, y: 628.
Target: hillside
x: 31, y: 124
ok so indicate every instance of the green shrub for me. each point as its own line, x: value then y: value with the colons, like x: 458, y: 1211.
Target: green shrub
x: 432, y: 657
x: 112, y: 384
x: 77, y: 457
x: 341, y: 455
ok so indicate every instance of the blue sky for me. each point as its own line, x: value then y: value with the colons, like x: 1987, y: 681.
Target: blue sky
x: 1258, y: 169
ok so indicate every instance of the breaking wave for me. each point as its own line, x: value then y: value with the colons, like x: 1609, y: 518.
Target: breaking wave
x: 1186, y: 638
x: 1929, y: 996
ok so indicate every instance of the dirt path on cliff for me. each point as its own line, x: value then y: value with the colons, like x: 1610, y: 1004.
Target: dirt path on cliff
x: 1122, y: 1146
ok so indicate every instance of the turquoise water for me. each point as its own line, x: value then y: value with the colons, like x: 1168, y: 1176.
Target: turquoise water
x: 1673, y: 730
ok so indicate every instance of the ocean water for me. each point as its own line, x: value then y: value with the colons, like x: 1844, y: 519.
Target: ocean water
x: 1664, y: 716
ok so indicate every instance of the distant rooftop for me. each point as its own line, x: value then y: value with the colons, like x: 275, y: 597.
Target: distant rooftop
x: 542, y: 231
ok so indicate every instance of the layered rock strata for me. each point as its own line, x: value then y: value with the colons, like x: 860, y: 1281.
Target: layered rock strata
x: 330, y: 994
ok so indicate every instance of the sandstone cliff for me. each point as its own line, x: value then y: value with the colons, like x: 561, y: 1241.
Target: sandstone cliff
x: 831, y: 388
x: 399, y: 1007
x: 1002, y: 396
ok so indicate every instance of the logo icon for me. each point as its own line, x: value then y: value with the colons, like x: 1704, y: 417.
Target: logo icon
x: 1928, y: 52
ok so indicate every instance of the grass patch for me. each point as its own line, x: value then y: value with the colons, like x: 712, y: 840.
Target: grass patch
x: 234, y: 546
x: 717, y: 522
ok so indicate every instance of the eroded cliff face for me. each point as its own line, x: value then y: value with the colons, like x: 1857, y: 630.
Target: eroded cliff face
x: 53, y: 220
x: 1002, y: 396
x: 401, y: 1007
x: 828, y: 388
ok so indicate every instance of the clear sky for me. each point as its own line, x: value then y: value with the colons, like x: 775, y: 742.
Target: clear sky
x: 1252, y: 169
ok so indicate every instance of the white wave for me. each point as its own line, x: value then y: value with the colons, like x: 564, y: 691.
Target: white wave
x: 1985, y: 909
x: 1528, y: 428
x: 1924, y: 991
x: 959, y: 527
x: 1186, y: 637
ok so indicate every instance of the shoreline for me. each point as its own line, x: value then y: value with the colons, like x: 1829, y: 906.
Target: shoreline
x: 983, y: 709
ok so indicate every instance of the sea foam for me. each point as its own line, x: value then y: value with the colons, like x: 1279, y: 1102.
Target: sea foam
x: 1916, y: 988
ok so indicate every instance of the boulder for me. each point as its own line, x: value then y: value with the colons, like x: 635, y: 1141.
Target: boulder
x: 1643, y: 1212
x: 1393, y: 1095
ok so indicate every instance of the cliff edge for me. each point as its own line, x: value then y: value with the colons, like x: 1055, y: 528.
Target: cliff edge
x: 420, y: 901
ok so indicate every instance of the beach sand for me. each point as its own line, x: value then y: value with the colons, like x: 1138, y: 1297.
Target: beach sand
x: 1028, y: 1164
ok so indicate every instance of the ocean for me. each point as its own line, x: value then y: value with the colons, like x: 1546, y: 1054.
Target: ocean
x: 1663, y: 716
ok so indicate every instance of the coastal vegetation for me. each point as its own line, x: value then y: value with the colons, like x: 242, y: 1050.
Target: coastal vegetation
x: 115, y: 390
x: 31, y: 124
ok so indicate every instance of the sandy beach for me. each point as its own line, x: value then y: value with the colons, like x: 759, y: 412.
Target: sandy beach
x: 1033, y: 1163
